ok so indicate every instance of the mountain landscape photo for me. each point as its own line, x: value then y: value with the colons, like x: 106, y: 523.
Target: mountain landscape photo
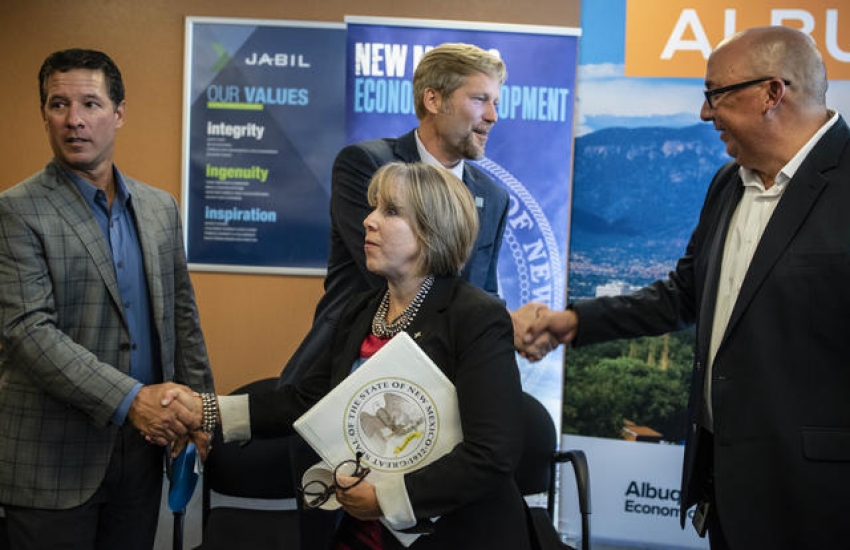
x: 636, y: 199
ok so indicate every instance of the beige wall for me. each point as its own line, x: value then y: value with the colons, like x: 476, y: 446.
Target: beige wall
x: 252, y: 323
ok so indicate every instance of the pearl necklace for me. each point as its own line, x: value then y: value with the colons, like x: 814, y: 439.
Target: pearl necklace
x: 382, y: 329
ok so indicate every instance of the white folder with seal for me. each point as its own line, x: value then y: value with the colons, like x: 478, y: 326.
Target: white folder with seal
x: 398, y: 409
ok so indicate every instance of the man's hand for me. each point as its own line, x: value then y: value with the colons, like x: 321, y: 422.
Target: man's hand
x: 159, y: 424
x: 523, y: 318
x: 187, y: 404
x: 187, y: 400
x: 561, y: 326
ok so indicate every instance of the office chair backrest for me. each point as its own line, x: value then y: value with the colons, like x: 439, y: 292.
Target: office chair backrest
x: 254, y: 493
x: 259, y: 469
x: 537, y: 469
x: 533, y: 474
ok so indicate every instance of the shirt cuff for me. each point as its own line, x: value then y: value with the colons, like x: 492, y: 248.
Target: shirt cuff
x: 120, y: 414
x: 235, y: 415
x: 394, y: 501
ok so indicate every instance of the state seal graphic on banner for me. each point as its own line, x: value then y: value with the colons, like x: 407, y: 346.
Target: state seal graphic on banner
x: 394, y: 422
x: 536, y: 266
x: 531, y: 268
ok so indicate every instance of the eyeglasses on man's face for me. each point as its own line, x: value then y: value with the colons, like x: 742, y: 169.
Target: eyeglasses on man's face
x: 317, y: 492
x: 710, y: 95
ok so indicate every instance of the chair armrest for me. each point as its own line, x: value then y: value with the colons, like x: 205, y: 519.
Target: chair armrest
x: 579, y: 462
x: 582, y: 474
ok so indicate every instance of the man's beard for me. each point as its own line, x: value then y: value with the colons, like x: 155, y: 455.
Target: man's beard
x: 469, y: 149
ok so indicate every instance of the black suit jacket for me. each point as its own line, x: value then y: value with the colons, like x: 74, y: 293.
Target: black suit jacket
x: 347, y: 274
x: 780, y: 451
x: 469, y: 336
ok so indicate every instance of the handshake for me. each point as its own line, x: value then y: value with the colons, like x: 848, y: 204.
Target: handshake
x: 174, y: 414
x: 538, y: 329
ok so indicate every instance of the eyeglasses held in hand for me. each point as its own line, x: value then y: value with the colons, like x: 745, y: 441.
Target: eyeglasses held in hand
x: 710, y: 94
x: 317, y: 492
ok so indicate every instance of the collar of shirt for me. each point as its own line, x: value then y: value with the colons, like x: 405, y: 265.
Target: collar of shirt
x: 750, y: 178
x: 94, y: 195
x: 428, y: 158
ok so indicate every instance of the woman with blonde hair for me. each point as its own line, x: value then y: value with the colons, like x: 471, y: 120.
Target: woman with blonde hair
x: 418, y: 236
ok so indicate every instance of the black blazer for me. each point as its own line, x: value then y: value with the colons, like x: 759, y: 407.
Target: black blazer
x: 781, y: 377
x: 469, y: 336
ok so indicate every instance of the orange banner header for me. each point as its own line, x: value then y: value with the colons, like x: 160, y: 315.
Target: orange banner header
x: 672, y: 38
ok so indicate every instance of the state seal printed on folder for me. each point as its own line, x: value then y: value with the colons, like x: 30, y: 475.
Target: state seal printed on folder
x: 398, y: 409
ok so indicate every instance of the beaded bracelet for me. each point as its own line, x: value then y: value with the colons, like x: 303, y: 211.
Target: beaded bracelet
x: 210, y: 410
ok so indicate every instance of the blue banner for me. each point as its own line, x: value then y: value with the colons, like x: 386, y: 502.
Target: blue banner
x: 264, y: 111
x: 529, y: 150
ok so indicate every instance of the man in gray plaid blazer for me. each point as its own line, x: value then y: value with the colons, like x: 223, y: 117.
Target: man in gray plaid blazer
x: 97, y: 319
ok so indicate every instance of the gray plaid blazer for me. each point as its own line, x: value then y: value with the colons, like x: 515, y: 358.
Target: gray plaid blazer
x: 65, y: 358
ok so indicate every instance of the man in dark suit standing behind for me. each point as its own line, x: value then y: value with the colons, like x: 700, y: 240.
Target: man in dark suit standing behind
x: 764, y: 277
x: 97, y: 318
x: 456, y: 90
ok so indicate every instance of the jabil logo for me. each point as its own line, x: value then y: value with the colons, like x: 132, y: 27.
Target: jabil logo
x: 290, y: 60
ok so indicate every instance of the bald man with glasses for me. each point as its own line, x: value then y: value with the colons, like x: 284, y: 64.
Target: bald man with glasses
x: 714, y: 92
x: 765, y: 280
